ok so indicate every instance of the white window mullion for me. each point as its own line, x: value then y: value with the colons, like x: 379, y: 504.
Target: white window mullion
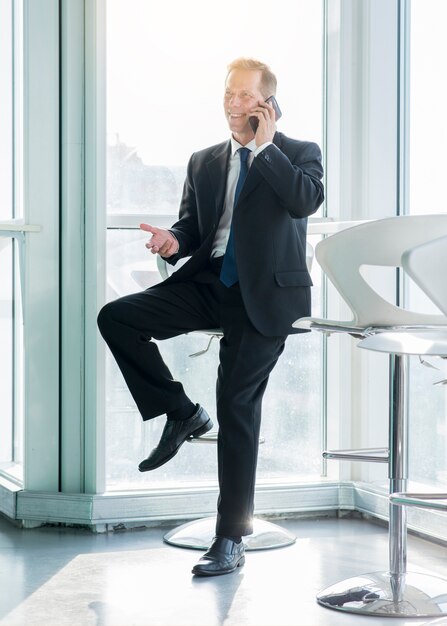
x: 72, y: 246
x: 95, y: 243
x: 41, y: 206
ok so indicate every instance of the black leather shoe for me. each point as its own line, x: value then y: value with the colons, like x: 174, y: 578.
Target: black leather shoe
x: 223, y: 557
x: 174, y: 434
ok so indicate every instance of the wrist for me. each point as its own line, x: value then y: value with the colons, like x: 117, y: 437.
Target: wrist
x: 262, y: 147
x: 177, y: 245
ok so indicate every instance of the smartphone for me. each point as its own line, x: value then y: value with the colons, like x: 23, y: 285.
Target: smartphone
x: 254, y: 120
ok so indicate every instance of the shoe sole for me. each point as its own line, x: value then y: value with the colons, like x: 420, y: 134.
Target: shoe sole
x: 200, y: 431
x: 195, y: 433
x: 240, y: 563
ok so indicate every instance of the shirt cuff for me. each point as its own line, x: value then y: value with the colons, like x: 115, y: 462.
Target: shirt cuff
x: 178, y: 245
x: 262, y: 147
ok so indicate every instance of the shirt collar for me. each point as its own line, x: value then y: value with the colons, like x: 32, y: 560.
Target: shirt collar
x: 235, y: 145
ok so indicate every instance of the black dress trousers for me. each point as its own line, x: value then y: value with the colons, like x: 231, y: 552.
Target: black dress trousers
x: 246, y: 359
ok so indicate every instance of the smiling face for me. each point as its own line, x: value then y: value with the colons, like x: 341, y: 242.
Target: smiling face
x: 242, y: 95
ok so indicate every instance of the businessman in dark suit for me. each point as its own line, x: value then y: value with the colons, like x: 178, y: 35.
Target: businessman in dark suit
x: 242, y: 222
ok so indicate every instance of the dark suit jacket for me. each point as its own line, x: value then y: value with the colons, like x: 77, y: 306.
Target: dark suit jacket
x: 283, y: 187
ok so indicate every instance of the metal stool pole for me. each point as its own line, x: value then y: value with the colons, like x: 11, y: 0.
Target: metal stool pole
x: 398, y: 471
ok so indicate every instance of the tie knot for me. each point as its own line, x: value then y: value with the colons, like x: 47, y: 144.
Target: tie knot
x: 243, y: 154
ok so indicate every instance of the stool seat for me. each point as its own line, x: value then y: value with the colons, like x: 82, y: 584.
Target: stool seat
x: 420, y: 342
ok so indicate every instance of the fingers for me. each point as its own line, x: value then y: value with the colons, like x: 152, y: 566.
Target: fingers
x: 267, y: 123
x: 169, y: 251
x: 268, y: 111
x: 265, y: 113
x: 155, y: 245
x: 162, y: 242
x: 165, y: 248
x: 149, y: 229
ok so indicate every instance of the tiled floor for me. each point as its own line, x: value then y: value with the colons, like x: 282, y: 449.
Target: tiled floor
x: 71, y: 577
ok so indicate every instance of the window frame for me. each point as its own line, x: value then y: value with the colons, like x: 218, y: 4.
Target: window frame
x: 36, y: 229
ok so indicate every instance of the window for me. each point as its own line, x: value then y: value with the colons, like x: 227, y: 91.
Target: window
x: 11, y: 242
x: 6, y: 119
x: 6, y: 342
x: 427, y: 163
x: 164, y: 101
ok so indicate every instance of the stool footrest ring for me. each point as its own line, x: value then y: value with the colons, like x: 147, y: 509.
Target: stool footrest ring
x: 372, y: 455
x: 211, y: 437
x: 421, y: 500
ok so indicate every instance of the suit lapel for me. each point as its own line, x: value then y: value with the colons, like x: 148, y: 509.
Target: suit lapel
x: 217, y: 168
x: 254, y: 176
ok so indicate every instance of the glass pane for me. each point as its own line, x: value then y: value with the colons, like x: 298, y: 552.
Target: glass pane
x: 18, y: 107
x: 428, y: 137
x: 165, y: 86
x: 17, y: 469
x: 428, y: 103
x: 11, y: 109
x: 6, y: 116
x: 11, y: 360
x: 11, y: 345
x: 164, y: 101
x: 428, y: 424
x: 6, y: 350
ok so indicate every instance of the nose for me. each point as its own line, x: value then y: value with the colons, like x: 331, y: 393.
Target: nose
x: 234, y: 100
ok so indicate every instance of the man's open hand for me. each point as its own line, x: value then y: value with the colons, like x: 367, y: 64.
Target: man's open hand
x: 162, y: 241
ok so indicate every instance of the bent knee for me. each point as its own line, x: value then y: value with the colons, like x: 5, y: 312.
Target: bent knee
x: 110, y: 314
x: 105, y: 318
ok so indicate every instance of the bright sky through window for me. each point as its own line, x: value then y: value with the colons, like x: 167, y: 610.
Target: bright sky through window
x: 167, y: 65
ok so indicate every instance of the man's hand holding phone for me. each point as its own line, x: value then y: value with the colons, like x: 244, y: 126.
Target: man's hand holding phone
x: 263, y: 120
x: 162, y: 241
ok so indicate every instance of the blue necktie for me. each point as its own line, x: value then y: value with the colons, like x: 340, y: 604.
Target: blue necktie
x: 228, y: 273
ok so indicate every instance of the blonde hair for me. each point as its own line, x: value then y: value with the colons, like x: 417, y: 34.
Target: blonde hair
x: 268, y: 79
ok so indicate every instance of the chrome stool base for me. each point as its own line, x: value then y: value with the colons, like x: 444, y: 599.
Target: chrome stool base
x: 199, y: 534
x: 379, y: 593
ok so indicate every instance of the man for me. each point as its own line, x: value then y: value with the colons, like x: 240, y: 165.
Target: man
x: 242, y: 220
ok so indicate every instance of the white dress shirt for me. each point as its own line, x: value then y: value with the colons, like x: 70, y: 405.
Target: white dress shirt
x: 234, y: 166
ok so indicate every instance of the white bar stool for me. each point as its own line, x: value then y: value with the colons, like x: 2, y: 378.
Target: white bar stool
x: 426, y: 266
x: 395, y: 592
